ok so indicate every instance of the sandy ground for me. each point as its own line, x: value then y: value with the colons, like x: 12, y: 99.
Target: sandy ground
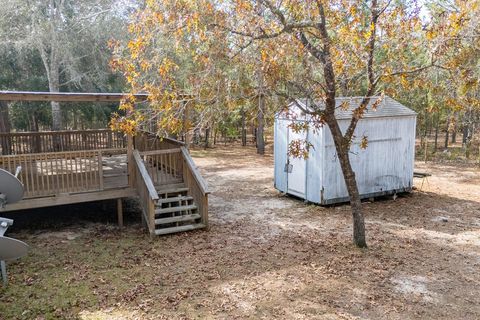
x: 265, y: 256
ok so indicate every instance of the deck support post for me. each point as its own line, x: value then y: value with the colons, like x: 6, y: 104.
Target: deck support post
x: 151, y: 218
x: 120, y: 212
x: 3, y: 270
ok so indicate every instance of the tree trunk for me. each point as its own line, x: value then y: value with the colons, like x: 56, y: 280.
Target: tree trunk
x: 244, y: 130
x: 53, y: 72
x: 454, y: 132
x: 355, y: 202
x: 57, y: 123
x: 425, y: 129
x: 195, y: 136
x: 36, y: 138
x: 260, y: 129
x: 207, y: 135
x: 5, y: 127
x: 478, y: 155
x: 437, y: 125
x: 465, y: 134
x: 447, y: 133
x: 186, y: 117
x: 351, y: 183
x: 261, y: 111
x: 75, y: 120
x: 425, y: 157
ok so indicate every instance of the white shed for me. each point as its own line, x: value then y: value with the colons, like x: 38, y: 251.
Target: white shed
x: 384, y: 167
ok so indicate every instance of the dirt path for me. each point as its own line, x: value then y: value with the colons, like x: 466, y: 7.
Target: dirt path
x: 267, y: 256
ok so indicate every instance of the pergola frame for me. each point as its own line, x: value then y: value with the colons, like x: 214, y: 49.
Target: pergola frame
x: 67, y: 96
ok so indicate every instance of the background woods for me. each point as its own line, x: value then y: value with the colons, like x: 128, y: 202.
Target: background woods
x: 59, y: 45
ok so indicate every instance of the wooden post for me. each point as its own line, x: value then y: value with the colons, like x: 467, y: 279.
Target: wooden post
x: 5, y: 141
x: 204, y: 212
x: 151, y: 217
x: 120, y: 212
x: 100, y: 169
x: 131, y: 180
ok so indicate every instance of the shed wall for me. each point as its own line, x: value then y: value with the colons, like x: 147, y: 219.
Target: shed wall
x: 314, y: 165
x: 280, y: 150
x: 314, y: 180
x: 385, y: 165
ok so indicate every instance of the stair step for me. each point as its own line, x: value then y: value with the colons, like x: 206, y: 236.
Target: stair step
x: 171, y: 188
x: 187, y: 217
x: 175, y: 199
x: 187, y: 227
x: 175, y: 209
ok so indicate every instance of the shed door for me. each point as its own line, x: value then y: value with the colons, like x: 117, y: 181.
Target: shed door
x: 297, y: 173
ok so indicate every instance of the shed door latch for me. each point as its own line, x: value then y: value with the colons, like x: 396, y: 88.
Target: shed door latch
x: 288, y: 167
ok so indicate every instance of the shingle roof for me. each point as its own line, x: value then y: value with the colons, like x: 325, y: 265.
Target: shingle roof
x: 388, y: 107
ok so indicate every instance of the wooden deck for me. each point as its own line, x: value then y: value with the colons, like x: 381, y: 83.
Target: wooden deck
x: 160, y: 172
x: 66, y: 167
x: 54, y: 174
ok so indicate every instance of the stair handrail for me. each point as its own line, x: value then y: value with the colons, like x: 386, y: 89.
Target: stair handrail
x: 146, y: 191
x: 196, y: 174
x: 145, y: 176
x: 197, y: 186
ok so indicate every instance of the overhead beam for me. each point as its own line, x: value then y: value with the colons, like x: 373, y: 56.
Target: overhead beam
x: 67, y: 96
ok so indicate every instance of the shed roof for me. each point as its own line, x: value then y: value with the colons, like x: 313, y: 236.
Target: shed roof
x: 388, y: 107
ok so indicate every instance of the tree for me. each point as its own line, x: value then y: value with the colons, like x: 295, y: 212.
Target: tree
x: 332, y: 42
x: 452, y: 89
x: 308, y: 49
x: 183, y: 63
x: 70, y: 38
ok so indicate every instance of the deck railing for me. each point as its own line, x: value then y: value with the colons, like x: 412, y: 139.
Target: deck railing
x: 58, y: 141
x: 164, y: 166
x: 54, y: 173
x: 146, y: 141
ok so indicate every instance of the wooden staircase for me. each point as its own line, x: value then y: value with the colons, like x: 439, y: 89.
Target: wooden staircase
x: 175, y: 210
x: 173, y: 194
